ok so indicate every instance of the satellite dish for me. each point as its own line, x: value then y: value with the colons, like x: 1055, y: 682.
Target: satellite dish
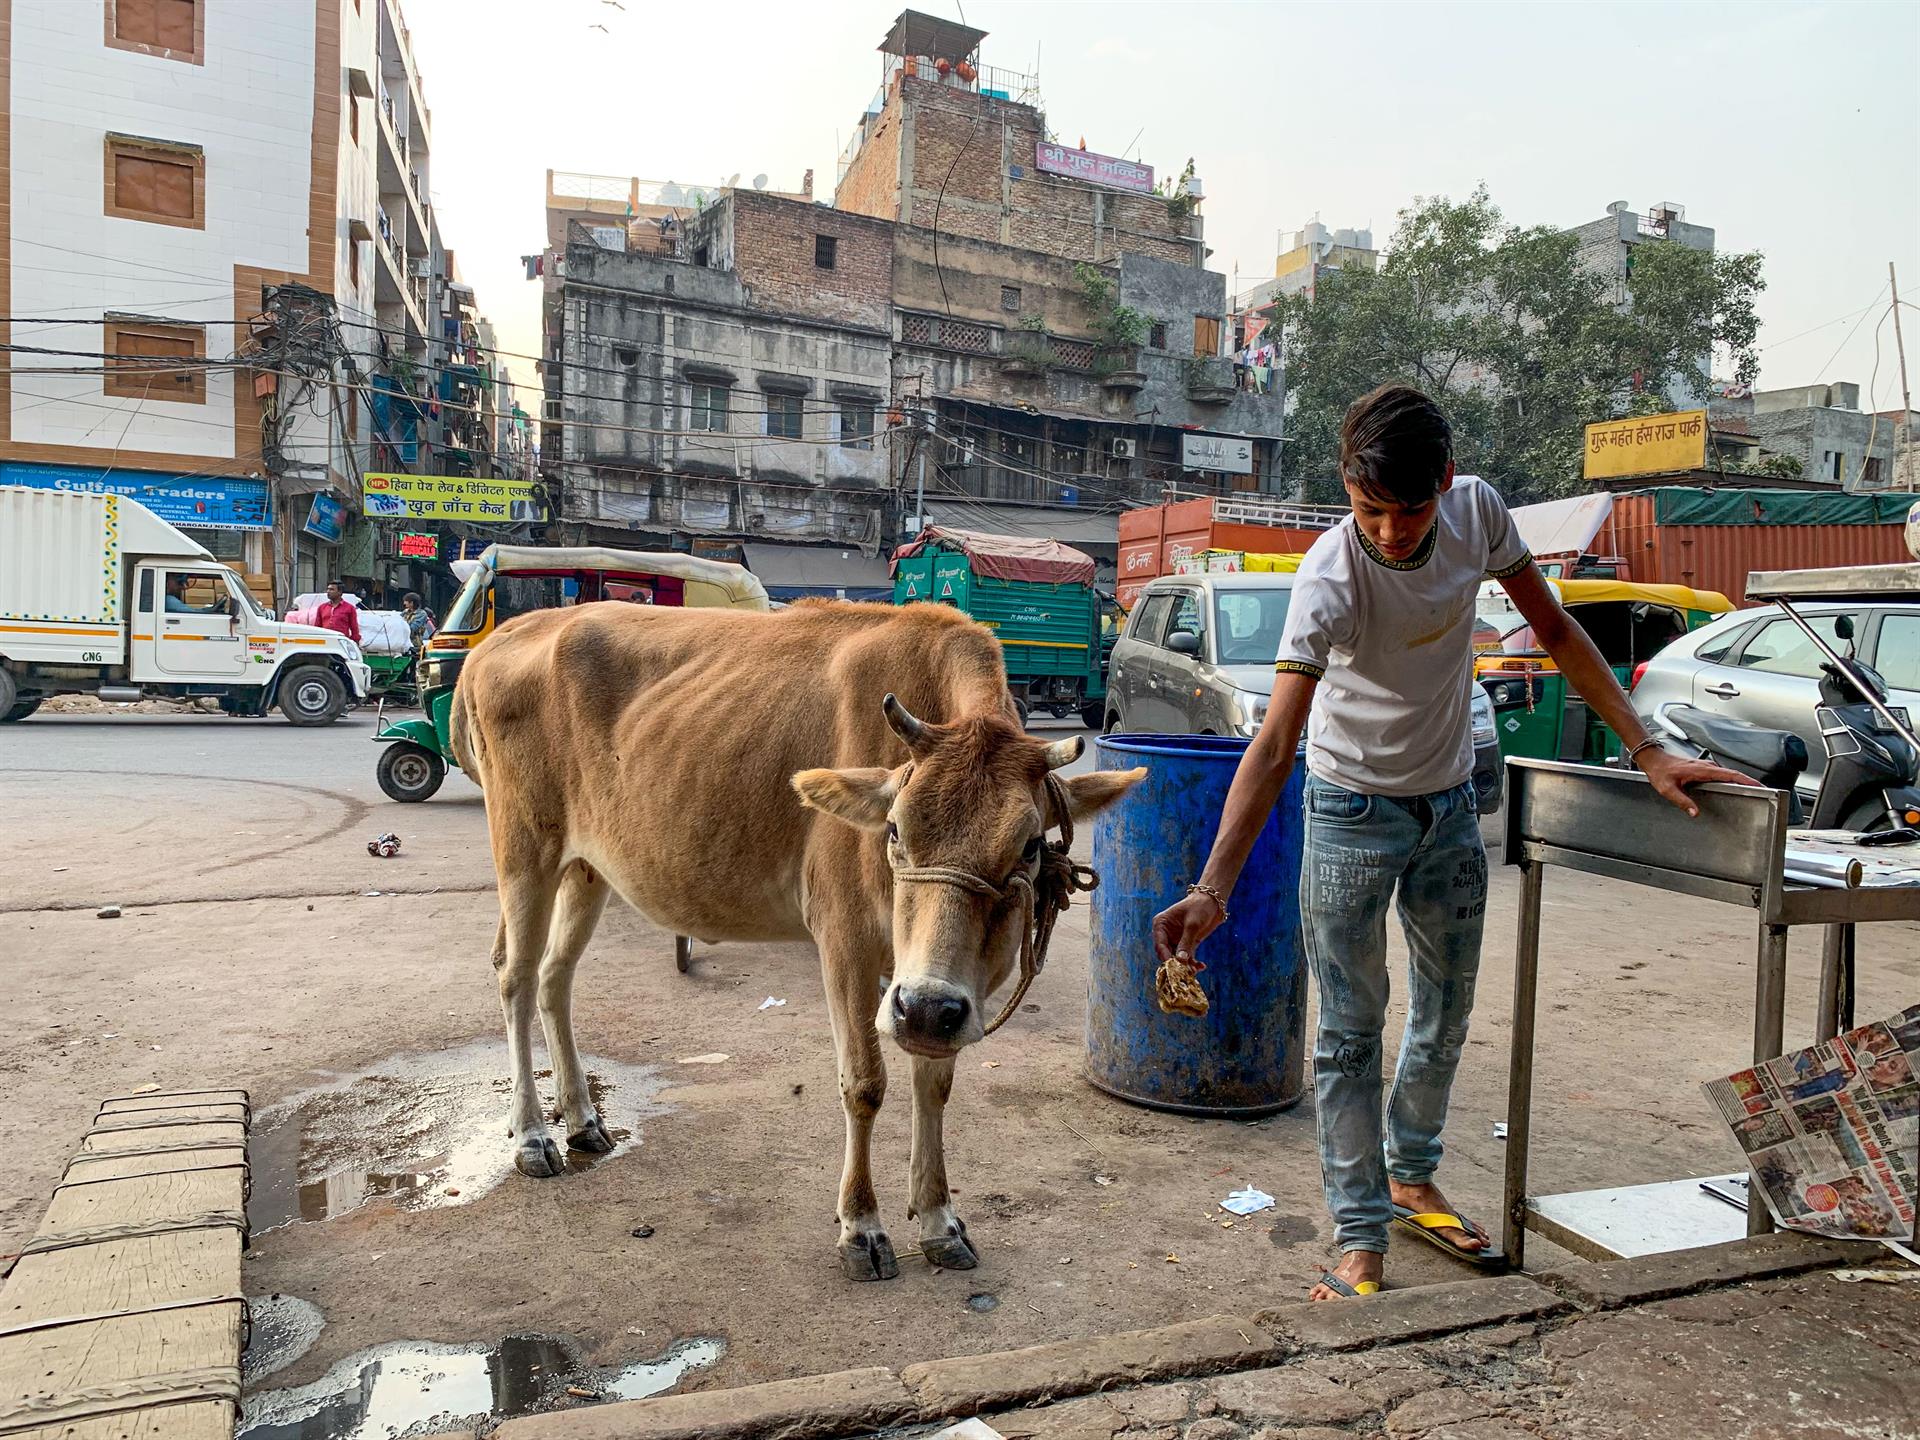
x: 733, y: 180
x: 670, y: 194
x: 759, y: 182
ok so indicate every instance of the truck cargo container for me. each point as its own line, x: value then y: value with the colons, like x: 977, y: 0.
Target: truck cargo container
x: 99, y: 596
x: 1154, y: 540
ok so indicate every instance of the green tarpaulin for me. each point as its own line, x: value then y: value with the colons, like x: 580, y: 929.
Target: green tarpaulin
x: 1683, y: 505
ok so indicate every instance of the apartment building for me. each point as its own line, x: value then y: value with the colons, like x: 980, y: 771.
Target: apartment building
x: 218, y: 244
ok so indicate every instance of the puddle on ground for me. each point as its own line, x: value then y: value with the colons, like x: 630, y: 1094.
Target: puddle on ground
x: 414, y: 1386
x: 422, y: 1131
x: 284, y: 1329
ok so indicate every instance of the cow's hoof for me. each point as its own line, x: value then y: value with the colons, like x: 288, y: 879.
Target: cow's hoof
x: 590, y: 1137
x: 539, y: 1157
x: 950, y: 1252
x: 869, y: 1257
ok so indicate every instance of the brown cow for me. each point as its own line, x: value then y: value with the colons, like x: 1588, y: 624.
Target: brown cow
x: 689, y: 760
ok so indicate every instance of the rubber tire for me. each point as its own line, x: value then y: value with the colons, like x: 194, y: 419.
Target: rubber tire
x: 21, y: 709
x: 399, y: 764
x: 1093, y: 716
x: 9, y: 690
x: 1020, y: 706
x: 302, y: 679
x: 1112, y: 723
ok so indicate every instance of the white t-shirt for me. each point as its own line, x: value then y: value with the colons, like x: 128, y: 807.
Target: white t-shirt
x: 1391, y: 643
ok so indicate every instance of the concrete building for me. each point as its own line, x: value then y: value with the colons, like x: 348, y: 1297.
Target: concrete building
x: 223, y: 206
x: 1823, y: 429
x: 1313, y: 251
x: 1607, y: 247
x: 732, y: 393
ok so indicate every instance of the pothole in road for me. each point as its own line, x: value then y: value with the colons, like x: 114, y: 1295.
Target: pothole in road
x: 419, y: 1131
x: 416, y: 1387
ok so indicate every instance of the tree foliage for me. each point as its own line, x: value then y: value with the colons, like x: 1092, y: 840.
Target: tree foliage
x: 1522, y: 342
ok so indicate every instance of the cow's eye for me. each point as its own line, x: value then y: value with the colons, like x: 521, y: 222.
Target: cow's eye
x: 1032, y: 852
x: 893, y: 833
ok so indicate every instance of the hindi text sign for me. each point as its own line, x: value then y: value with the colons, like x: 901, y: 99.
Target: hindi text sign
x: 450, y: 497
x: 1099, y: 169
x: 1647, y: 445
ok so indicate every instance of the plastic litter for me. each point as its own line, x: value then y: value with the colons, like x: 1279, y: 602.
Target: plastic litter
x: 771, y: 1004
x: 975, y: 1429
x: 1103, y: 1179
x: 1247, y: 1202
x: 384, y: 847
x: 1499, y: 1129
x: 107, y: 912
x: 713, y: 1057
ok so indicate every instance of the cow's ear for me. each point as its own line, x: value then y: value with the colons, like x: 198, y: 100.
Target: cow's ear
x: 1087, y: 794
x: 862, y: 798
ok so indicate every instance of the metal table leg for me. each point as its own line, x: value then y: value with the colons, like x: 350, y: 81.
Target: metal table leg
x: 1833, y: 945
x: 1526, y: 976
x: 1769, y: 1040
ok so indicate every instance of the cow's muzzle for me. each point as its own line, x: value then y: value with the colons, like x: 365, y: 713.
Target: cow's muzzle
x: 931, y: 1017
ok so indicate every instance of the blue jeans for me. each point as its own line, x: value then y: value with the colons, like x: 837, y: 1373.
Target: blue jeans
x: 1359, y: 848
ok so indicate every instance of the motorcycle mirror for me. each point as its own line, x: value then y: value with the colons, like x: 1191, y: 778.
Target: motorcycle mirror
x: 1843, y: 627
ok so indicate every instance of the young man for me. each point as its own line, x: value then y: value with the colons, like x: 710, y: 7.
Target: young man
x: 338, y: 614
x: 1379, y: 626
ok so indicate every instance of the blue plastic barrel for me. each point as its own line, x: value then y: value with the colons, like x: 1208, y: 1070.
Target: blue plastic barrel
x: 1246, y: 1056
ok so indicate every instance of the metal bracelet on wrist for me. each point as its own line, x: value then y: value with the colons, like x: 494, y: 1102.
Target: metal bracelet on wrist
x: 1652, y: 742
x: 1197, y: 888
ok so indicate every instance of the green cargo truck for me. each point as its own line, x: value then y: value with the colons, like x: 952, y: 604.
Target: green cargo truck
x: 1036, y: 595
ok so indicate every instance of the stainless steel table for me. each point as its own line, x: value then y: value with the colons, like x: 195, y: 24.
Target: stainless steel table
x: 1612, y: 823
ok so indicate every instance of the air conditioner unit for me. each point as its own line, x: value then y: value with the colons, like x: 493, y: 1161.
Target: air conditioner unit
x: 960, y: 452
x: 1124, y: 449
x: 422, y: 268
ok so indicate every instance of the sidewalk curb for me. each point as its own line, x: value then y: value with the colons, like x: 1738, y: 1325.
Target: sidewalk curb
x: 855, y: 1402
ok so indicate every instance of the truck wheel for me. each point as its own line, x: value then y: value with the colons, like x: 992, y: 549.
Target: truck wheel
x: 1020, y: 706
x: 1092, y: 714
x: 21, y: 709
x: 312, y: 695
x: 9, y: 691
x: 410, y: 773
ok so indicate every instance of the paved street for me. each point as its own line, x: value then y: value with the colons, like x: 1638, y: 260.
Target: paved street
x: 254, y: 951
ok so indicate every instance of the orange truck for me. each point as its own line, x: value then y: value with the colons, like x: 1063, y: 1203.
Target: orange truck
x: 1155, y: 540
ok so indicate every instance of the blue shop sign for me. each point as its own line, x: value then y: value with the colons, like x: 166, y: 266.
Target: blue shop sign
x: 327, y: 519
x: 208, y: 502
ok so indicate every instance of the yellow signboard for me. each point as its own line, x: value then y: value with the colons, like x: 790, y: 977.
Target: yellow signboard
x: 449, y: 497
x: 1647, y: 445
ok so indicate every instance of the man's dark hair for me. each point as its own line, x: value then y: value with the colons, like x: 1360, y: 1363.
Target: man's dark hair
x: 414, y: 596
x: 1395, y: 445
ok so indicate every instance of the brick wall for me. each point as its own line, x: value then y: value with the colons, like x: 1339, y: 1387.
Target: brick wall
x: 871, y: 185
x: 775, y: 255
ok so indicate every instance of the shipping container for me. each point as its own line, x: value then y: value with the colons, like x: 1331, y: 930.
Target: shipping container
x: 1155, y: 540
x: 1712, y: 539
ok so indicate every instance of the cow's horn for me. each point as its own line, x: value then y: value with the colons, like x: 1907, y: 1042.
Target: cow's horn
x: 1065, y: 752
x: 903, y: 723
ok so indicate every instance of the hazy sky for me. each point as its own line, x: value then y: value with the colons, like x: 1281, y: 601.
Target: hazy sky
x: 1792, y: 129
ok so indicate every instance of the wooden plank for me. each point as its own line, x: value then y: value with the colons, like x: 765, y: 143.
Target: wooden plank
x: 118, y: 1318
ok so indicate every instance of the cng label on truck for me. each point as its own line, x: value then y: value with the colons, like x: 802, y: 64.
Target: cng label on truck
x: 946, y: 590
x: 913, y: 588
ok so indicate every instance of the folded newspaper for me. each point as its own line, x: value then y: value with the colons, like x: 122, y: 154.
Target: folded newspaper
x: 1831, y: 1131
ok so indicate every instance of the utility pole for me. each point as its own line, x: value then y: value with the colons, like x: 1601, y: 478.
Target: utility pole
x: 1903, y: 432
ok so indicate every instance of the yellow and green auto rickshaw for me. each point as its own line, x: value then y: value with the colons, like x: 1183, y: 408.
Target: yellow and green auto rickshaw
x: 1535, y: 714
x: 510, y: 580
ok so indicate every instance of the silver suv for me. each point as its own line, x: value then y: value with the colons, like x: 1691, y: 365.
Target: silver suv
x: 1197, y: 658
x: 1758, y: 666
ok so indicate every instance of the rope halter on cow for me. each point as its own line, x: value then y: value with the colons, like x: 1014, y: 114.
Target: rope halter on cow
x: 1040, y: 896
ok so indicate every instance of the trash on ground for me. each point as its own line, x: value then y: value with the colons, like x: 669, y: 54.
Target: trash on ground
x: 771, y: 1004
x: 1173, y: 1259
x: 1176, y: 988
x: 712, y: 1057
x: 107, y: 912
x: 1103, y: 1179
x: 1247, y: 1202
x: 582, y: 1394
x: 1876, y: 1277
x: 384, y: 847
x: 975, y: 1429
x: 640, y: 1232
x: 1499, y: 1129
x: 989, y: 1064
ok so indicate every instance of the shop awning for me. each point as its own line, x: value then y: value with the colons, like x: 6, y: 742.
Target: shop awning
x: 818, y: 570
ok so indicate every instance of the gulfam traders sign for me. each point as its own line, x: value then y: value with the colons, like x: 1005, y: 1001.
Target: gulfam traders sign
x: 450, y: 497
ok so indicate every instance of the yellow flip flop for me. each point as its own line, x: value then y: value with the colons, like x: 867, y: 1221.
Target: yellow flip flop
x: 1348, y: 1292
x: 1425, y: 1223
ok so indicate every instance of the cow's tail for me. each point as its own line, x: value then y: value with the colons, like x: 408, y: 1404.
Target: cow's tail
x: 462, y: 739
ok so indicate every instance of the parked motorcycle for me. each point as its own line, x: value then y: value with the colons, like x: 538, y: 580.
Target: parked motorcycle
x: 1872, y: 779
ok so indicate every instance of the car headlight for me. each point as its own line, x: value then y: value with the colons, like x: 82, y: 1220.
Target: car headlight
x: 352, y: 650
x: 1483, y: 727
x: 1249, y: 709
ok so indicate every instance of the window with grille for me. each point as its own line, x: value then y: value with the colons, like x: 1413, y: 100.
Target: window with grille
x: 154, y: 362
x: 171, y: 29
x: 856, y: 425
x: 824, y: 247
x: 1010, y: 297
x: 707, y: 407
x: 1157, y: 336
x: 783, y: 415
x: 165, y: 184
x: 916, y: 329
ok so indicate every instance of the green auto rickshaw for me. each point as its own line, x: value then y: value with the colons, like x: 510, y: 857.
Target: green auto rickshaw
x: 510, y: 580
x: 1535, y: 714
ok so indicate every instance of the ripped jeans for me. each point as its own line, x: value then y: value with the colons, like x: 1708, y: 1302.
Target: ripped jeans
x: 1358, y: 849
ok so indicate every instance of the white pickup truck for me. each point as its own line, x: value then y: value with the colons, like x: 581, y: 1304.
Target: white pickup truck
x: 99, y: 596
